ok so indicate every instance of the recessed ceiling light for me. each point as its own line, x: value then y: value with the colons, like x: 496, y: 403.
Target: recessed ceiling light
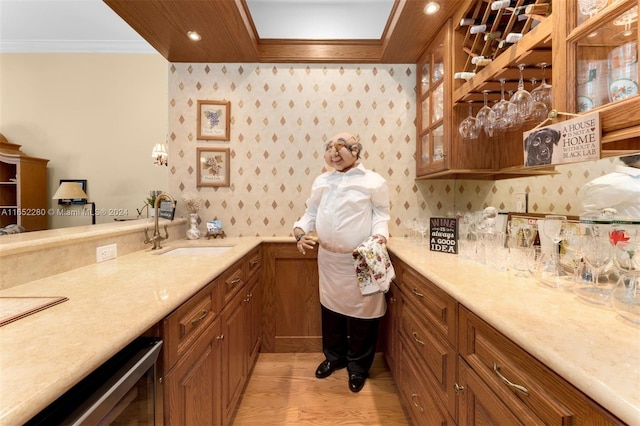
x: 431, y: 8
x: 194, y: 36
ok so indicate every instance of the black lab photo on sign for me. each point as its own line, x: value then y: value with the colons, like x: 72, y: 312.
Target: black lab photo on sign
x: 443, y: 234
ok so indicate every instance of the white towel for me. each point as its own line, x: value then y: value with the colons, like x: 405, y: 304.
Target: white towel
x: 373, y: 266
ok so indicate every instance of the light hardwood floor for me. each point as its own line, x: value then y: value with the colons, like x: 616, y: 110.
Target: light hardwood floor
x: 283, y: 390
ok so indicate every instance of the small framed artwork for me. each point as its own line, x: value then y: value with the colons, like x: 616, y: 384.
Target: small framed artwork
x: 77, y: 201
x: 213, y: 120
x: 213, y: 167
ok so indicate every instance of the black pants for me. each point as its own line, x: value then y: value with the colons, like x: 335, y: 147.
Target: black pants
x: 349, y: 339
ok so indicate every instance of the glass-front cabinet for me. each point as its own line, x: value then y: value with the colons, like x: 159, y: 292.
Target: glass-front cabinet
x: 601, y: 48
x: 432, y: 126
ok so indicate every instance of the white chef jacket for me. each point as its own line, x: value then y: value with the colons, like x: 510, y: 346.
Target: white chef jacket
x: 619, y: 190
x: 344, y: 209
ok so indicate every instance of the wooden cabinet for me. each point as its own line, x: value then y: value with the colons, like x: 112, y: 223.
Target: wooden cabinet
x: 454, y: 368
x: 567, y: 45
x: 210, y: 344
x: 23, y: 188
x: 593, y: 75
x: 292, y: 321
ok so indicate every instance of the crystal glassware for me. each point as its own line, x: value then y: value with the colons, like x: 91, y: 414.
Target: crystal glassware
x: 485, y: 116
x: 544, y: 92
x: 521, y: 238
x: 591, y: 7
x: 502, y: 119
x: 625, y: 240
x: 521, y: 100
x: 469, y: 128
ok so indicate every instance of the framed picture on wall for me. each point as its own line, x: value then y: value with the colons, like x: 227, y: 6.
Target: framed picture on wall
x: 212, y: 167
x: 213, y: 120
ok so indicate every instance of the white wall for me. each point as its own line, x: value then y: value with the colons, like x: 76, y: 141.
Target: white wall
x: 95, y: 117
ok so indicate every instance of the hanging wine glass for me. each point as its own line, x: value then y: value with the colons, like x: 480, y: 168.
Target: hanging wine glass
x: 501, y: 111
x: 543, y: 93
x: 626, y: 20
x: 469, y: 128
x: 522, y: 100
x: 539, y: 110
x: 486, y: 116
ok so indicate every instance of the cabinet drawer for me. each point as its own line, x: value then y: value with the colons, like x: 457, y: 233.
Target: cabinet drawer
x: 521, y: 380
x: 436, y: 305
x: 232, y: 281
x: 433, y: 351
x: 185, y: 324
x: 425, y: 408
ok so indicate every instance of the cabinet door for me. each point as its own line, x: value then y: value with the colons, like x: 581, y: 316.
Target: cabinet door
x: 253, y: 301
x: 392, y: 327
x: 192, y: 388
x: 234, y: 355
x: 291, y: 317
x: 417, y: 391
x: 432, y: 151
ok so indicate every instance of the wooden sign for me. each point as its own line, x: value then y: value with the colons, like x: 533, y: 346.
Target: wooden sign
x: 570, y: 141
x: 167, y: 209
x: 443, y: 234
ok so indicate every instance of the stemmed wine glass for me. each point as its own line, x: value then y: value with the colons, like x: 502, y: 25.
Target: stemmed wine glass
x: 485, y: 116
x: 501, y: 110
x: 544, y: 92
x: 554, y: 227
x: 522, y: 100
x: 625, y: 239
x: 596, y: 250
x: 539, y: 110
x: 469, y: 127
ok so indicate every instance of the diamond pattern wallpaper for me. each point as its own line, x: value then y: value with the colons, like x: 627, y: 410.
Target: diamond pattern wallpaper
x: 281, y: 116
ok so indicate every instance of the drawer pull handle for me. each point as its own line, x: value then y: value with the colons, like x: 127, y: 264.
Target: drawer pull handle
x: 457, y: 388
x: 235, y: 281
x: 202, y: 316
x: 254, y: 262
x: 415, y: 337
x: 413, y: 399
x: 496, y: 369
x: 416, y: 292
x: 220, y: 337
x: 392, y: 300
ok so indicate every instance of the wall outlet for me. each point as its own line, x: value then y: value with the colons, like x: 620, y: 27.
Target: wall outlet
x: 106, y: 252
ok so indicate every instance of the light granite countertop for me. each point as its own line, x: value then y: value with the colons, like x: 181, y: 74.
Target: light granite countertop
x: 112, y: 303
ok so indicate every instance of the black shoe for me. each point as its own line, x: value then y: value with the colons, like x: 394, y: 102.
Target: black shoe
x: 328, y: 367
x: 356, y: 381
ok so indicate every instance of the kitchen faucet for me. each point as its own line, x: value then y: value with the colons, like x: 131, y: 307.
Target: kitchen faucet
x: 156, y: 232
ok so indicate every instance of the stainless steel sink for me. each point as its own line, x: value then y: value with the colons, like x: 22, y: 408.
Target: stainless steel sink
x: 204, y: 250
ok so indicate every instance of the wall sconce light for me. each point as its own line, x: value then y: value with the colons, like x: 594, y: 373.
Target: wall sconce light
x: 160, y: 155
x: 73, y: 191
x: 431, y: 8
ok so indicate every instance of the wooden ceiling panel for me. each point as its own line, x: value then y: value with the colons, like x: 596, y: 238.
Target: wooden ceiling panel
x: 228, y: 33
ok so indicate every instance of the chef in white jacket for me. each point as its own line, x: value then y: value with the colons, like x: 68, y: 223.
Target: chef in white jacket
x: 347, y: 205
x: 619, y: 190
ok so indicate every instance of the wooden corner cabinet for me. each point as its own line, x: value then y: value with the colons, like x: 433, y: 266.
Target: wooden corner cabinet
x: 23, y: 188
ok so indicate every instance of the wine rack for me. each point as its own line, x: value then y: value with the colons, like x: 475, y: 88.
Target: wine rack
x: 502, y: 59
x: 499, y: 23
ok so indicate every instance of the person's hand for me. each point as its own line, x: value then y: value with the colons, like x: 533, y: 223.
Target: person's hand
x: 307, y: 242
